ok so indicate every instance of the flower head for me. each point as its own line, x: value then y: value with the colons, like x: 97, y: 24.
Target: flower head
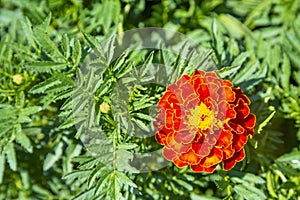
x: 202, y: 121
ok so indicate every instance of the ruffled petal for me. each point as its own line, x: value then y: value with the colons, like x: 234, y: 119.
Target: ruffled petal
x: 202, y: 121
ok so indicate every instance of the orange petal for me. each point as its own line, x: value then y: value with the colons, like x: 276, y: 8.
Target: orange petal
x: 229, y: 164
x: 179, y: 163
x: 197, y: 80
x: 237, y: 157
x: 169, y: 154
x: 169, y: 118
x: 199, y: 72
x: 184, y: 136
x: 228, y: 152
x: 239, y: 94
x: 198, y: 168
x: 201, y: 149
x: 161, y: 137
x: 239, y: 140
x: 190, y: 157
x: 242, y: 109
x: 203, y: 91
x: 212, y: 74
x: 249, y: 122
x: 227, y: 83
x: 236, y: 127
x: 240, y: 155
x: 213, y: 158
x: 230, y: 95
x: 225, y: 139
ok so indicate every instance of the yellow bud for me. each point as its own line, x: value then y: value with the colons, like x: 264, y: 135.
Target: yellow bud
x: 17, y: 79
x: 104, y: 107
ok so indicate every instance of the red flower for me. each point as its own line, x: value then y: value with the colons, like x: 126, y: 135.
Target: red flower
x: 202, y: 121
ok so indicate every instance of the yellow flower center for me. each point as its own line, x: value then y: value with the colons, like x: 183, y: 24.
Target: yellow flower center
x: 201, y: 117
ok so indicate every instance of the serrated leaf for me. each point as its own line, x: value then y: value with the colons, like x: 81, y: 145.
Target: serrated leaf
x: 141, y: 124
x: 43, y: 86
x: 24, y: 141
x: 65, y: 43
x: 76, y: 54
x: 115, y: 187
x: 77, y: 174
x: 26, y: 26
x: 142, y: 116
x: 46, y: 22
x: 271, y: 184
x: 31, y: 110
x: 53, y: 156
x: 112, y: 10
x: 2, y: 166
x: 251, y: 178
x: 123, y: 179
x: 235, y: 27
x: 289, y: 157
x: 48, y: 45
x: 86, y: 194
x: 184, y: 184
x: 286, y: 73
x: 39, y: 190
x: 227, y: 71
x: 11, y: 156
x: 45, y: 66
x: 249, y: 192
x: 240, y: 59
x: 91, y: 40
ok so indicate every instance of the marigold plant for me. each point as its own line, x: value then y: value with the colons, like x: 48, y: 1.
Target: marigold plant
x: 203, y: 121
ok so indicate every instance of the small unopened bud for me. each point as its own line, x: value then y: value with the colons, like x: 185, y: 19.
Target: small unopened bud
x: 104, y: 107
x: 17, y: 79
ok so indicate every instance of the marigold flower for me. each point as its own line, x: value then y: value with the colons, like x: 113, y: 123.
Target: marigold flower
x: 202, y: 121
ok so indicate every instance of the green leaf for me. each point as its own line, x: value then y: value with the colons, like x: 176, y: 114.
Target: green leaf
x: 86, y: 194
x: 43, y: 86
x: 142, y: 116
x: 11, y: 156
x: 115, y: 187
x: 265, y: 122
x: 76, y: 55
x: 65, y: 43
x: 2, y: 166
x: 249, y: 192
x: 45, y: 66
x: 53, y: 156
x: 236, y: 28
x: 112, y: 10
x: 289, y: 157
x: 184, y: 184
x: 271, y: 184
x: 286, y: 73
x: 227, y: 71
x: 77, y: 174
x: 251, y: 178
x: 26, y: 26
x: 123, y: 179
x: 24, y: 141
x: 48, y: 46
x: 31, y: 110
x: 240, y: 59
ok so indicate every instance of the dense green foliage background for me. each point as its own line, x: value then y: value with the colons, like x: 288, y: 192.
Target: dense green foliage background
x: 256, y: 45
